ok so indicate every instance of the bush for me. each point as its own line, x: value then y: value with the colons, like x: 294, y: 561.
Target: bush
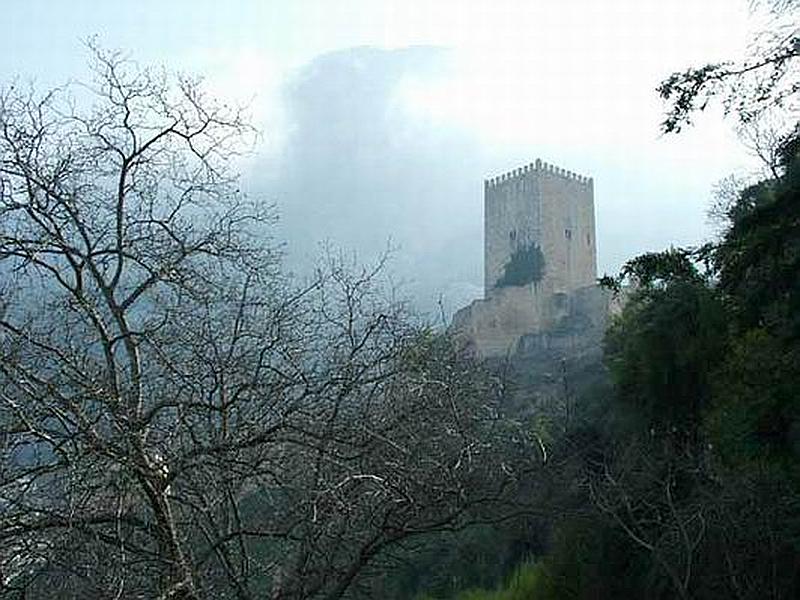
x: 525, y: 266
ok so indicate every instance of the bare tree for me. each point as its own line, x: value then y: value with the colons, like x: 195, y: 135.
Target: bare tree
x: 649, y: 499
x: 177, y: 419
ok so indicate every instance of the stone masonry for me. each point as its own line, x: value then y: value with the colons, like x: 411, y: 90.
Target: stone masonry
x: 549, y: 212
x: 547, y: 206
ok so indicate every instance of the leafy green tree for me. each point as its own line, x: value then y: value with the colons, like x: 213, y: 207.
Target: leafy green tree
x: 758, y: 259
x: 526, y: 265
x: 662, y: 350
x: 708, y: 359
x: 757, y: 406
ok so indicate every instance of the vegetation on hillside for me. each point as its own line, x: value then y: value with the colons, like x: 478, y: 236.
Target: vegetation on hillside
x: 180, y: 420
x: 681, y: 481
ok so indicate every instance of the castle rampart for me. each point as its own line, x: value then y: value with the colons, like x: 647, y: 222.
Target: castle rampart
x: 539, y: 166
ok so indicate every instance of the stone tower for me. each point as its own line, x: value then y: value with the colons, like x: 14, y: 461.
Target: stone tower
x: 545, y: 207
x: 539, y: 262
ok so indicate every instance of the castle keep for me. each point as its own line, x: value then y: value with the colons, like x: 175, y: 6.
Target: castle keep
x: 540, y: 259
x: 541, y: 206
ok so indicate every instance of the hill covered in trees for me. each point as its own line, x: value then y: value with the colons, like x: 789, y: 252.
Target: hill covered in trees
x: 677, y: 477
x: 180, y: 419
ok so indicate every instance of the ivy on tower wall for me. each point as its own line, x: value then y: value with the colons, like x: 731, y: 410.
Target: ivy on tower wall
x: 525, y: 266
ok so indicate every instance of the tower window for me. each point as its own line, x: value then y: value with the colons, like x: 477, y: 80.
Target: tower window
x: 568, y: 234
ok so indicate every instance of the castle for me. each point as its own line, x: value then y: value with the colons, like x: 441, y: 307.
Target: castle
x: 540, y: 262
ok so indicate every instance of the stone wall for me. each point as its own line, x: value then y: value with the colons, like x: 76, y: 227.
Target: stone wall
x: 492, y: 327
x: 547, y: 206
x: 520, y: 318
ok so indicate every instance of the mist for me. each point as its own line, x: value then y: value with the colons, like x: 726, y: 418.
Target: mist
x: 361, y: 174
x: 391, y: 116
x: 372, y: 160
x: 198, y: 400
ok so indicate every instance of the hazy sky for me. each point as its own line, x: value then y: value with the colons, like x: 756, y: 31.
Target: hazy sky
x: 381, y: 119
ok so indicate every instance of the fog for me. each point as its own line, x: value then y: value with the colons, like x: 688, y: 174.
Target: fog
x: 378, y: 152
x: 359, y: 173
x: 380, y: 120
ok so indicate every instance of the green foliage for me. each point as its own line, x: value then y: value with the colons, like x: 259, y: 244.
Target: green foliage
x: 755, y: 418
x: 478, y: 557
x: 610, y: 283
x: 443, y: 564
x: 722, y: 346
x: 768, y: 79
x: 590, y: 558
x: 525, y: 266
x: 655, y: 270
x: 662, y: 350
x: 529, y: 581
x: 759, y: 257
x: 714, y: 358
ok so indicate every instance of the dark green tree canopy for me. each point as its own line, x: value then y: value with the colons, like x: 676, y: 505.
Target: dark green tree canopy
x: 525, y: 266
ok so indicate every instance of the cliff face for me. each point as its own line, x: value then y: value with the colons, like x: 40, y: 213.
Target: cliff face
x: 547, y: 348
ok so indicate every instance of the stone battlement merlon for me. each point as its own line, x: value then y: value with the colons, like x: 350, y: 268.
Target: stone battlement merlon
x: 539, y: 166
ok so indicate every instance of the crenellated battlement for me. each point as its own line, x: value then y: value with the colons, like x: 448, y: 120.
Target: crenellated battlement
x: 546, y: 206
x: 539, y: 167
